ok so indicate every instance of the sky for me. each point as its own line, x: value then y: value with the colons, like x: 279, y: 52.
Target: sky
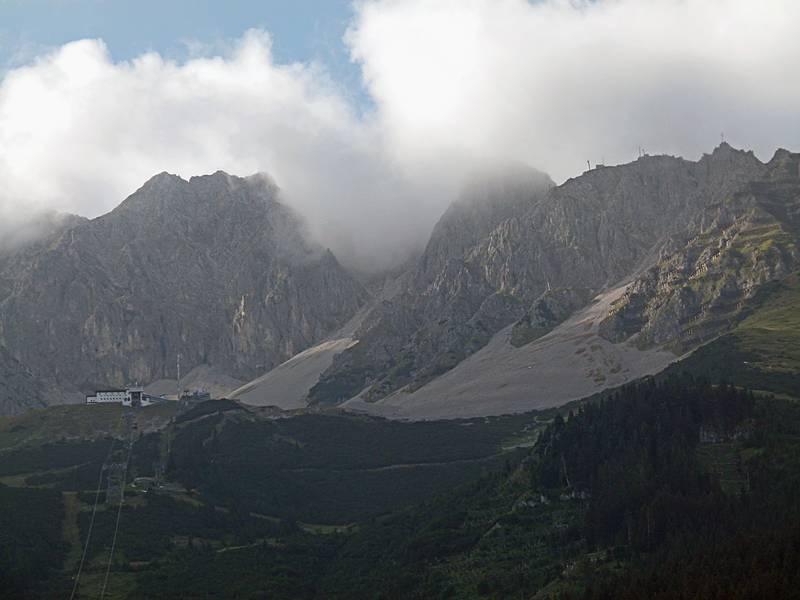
x: 303, y: 30
x: 371, y: 115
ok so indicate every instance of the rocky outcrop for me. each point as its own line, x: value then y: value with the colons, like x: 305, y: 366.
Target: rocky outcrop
x: 698, y: 290
x: 547, y: 312
x: 215, y: 269
x: 19, y: 388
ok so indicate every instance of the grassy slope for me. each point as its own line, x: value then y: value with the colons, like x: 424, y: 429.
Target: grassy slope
x: 763, y: 351
x: 771, y: 335
x: 76, y: 421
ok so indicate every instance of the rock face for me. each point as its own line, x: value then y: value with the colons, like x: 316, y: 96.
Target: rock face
x: 485, y: 268
x: 215, y: 269
x: 450, y: 303
x: 567, y: 363
x: 547, y: 312
x: 19, y: 388
x: 697, y: 289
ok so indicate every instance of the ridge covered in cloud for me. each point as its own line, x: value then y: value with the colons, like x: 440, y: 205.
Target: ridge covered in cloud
x: 79, y: 132
x: 454, y: 84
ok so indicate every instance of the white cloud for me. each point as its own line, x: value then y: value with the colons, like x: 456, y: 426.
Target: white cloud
x: 454, y: 82
x: 79, y: 132
x: 556, y: 83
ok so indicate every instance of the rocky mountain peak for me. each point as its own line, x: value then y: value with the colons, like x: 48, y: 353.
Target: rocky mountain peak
x: 724, y: 149
x: 725, y: 154
x: 215, y: 268
x: 784, y: 165
x: 162, y: 182
x: 502, y: 186
x: 162, y: 177
x: 729, y: 165
x: 168, y: 194
x: 170, y: 212
x: 485, y: 202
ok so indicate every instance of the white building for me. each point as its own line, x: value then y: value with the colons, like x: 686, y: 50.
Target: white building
x: 132, y: 396
x: 107, y: 397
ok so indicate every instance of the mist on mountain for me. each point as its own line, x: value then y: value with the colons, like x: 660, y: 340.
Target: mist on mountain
x: 449, y: 89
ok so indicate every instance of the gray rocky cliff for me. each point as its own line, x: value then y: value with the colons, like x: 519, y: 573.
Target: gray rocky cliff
x: 215, y: 269
x: 699, y: 288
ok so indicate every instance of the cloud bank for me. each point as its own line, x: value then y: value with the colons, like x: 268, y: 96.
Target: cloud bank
x: 79, y: 132
x: 454, y: 84
x: 557, y: 83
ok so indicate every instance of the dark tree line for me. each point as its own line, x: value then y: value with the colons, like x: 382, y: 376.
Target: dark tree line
x: 654, y: 504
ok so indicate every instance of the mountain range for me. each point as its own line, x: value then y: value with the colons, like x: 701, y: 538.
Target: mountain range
x: 528, y: 294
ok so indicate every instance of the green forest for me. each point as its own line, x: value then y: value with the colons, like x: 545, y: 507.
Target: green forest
x: 666, y: 488
x: 671, y: 489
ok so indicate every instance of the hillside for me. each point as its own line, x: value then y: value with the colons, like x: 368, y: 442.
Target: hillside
x: 670, y: 490
x: 760, y: 352
x: 233, y: 483
x: 287, y: 386
x: 569, y: 362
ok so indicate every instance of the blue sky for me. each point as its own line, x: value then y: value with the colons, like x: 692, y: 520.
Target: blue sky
x: 302, y: 30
